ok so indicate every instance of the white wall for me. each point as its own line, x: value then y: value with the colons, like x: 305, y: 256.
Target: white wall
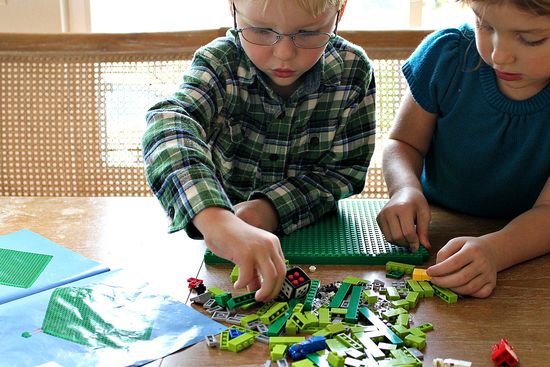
x: 44, y: 16
x: 26, y: 16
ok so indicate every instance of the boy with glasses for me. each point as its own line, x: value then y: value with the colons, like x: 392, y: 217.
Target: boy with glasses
x: 271, y: 126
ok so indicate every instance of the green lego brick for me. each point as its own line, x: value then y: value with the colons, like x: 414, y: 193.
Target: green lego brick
x: 400, y: 303
x: 355, y: 280
x: 348, y: 341
x: 413, y: 298
x: 335, y: 328
x: 445, y: 294
x: 240, y: 300
x: 223, y: 298
x: 278, y: 352
x: 353, y: 307
x: 428, y: 289
x: 395, y: 274
x: 313, y: 288
x: 335, y: 360
x: 392, y: 294
x: 241, y: 342
x: 224, y: 339
x: 303, y: 363
x: 403, y: 319
x: 394, y: 265
x: 276, y: 311
x: 286, y: 340
x: 324, y: 316
x: 335, y: 346
x: 370, y: 296
x: 234, y: 274
x: 277, y: 326
x: 249, y: 318
x: 415, y: 341
x: 415, y: 287
x: 340, y: 295
x: 350, y: 235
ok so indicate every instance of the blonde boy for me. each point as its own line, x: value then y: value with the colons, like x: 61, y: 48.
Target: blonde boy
x: 271, y: 126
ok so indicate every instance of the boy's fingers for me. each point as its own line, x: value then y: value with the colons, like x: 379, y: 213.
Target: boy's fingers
x: 269, y: 281
x: 245, y: 276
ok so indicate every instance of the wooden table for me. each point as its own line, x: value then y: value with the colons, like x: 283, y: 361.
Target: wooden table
x: 130, y: 232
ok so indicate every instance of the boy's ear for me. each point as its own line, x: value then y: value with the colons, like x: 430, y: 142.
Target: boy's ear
x: 342, y: 8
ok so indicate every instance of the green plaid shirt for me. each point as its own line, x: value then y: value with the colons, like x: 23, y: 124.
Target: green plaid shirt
x: 227, y: 137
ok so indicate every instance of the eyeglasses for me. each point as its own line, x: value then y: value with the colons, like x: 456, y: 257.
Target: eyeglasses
x: 268, y: 37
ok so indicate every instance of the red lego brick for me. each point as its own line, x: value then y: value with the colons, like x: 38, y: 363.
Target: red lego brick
x: 503, y: 354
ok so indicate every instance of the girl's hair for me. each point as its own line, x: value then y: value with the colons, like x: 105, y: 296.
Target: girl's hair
x: 537, y: 7
x: 314, y: 7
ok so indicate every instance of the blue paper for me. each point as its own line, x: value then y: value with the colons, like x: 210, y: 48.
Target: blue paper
x: 174, y: 325
x: 65, y: 266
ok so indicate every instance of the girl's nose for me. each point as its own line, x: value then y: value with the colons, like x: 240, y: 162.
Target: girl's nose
x: 502, y: 51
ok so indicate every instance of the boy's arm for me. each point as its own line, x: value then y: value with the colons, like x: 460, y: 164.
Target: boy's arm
x: 255, y: 251
x: 178, y: 163
x: 469, y: 265
x: 404, y: 220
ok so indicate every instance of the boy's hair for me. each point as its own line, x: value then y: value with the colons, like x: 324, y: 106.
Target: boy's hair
x: 314, y: 7
x: 537, y: 7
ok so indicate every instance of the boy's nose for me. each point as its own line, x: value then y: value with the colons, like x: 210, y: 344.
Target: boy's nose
x: 284, y: 49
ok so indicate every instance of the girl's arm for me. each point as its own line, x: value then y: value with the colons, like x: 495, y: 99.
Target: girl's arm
x: 404, y: 220
x: 469, y: 265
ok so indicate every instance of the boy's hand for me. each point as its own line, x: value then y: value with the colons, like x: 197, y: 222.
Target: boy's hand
x: 405, y: 219
x: 255, y: 251
x: 258, y: 213
x: 466, y: 265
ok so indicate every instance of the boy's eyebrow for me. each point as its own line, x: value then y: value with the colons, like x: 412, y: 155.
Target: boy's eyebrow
x: 263, y: 25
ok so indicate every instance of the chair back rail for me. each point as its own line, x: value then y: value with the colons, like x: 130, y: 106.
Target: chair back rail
x: 72, y: 106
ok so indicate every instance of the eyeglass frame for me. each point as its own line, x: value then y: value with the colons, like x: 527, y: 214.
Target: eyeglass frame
x: 279, y: 36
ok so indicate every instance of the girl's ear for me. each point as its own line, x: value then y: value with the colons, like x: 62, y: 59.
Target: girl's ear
x: 342, y: 8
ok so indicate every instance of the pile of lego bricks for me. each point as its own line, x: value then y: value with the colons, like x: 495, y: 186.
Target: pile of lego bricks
x: 353, y: 322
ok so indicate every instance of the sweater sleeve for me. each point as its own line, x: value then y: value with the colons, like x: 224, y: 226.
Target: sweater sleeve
x: 434, y: 68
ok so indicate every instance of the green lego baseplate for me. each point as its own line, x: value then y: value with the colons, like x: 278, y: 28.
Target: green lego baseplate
x: 94, y: 318
x: 20, y: 268
x: 349, y: 236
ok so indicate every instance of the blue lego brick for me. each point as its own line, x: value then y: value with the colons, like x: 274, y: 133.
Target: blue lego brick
x: 350, y: 236
x: 302, y: 349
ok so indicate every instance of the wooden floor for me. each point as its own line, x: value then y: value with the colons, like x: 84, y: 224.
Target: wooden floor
x: 130, y: 232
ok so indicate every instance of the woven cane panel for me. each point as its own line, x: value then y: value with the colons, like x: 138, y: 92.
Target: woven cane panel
x: 390, y: 88
x: 72, y: 125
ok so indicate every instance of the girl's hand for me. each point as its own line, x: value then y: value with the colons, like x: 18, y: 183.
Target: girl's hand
x: 466, y: 265
x: 405, y: 219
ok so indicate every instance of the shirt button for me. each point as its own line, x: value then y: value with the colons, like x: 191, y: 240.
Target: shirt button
x: 171, y: 212
x: 314, y: 141
x: 273, y: 157
x: 281, y: 115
